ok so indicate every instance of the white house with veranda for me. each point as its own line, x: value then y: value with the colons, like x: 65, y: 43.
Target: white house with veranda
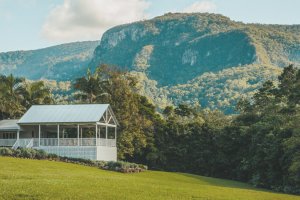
x: 86, y: 131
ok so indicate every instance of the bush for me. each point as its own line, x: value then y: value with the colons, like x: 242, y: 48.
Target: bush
x: 28, y: 153
x: 17, y: 153
x: 52, y: 156
x: 6, y: 151
x: 41, y: 154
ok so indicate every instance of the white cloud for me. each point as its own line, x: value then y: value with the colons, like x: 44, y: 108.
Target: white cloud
x: 201, y: 6
x: 89, y: 19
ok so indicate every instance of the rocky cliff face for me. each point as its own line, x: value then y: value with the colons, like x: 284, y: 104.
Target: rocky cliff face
x: 196, y: 58
x: 176, y: 48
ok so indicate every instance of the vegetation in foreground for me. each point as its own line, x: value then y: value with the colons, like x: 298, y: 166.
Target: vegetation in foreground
x: 41, y: 179
x: 260, y: 145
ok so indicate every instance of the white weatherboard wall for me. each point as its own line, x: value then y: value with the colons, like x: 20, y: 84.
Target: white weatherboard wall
x: 92, y: 153
x: 106, y: 153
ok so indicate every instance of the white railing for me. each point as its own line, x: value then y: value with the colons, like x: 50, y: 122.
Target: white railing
x: 87, y: 141
x: 7, y: 142
x: 68, y: 142
x: 16, y: 145
x: 28, y: 143
x: 106, y: 142
x: 25, y: 143
x: 48, y: 142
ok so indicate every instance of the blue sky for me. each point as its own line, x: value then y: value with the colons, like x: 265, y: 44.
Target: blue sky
x: 33, y: 24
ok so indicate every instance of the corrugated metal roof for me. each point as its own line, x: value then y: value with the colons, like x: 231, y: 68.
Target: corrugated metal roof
x: 9, y: 125
x: 64, y: 113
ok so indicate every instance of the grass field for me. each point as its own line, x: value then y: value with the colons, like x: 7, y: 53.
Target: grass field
x: 34, y: 179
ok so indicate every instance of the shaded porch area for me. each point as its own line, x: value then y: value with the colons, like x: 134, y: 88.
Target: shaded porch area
x: 70, y: 134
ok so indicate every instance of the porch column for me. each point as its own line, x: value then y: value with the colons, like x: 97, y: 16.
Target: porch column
x: 96, y: 133
x: 57, y: 134
x: 106, y: 135
x: 77, y: 134
x: 18, y: 134
x: 81, y: 135
x: 115, y: 135
x: 39, y: 135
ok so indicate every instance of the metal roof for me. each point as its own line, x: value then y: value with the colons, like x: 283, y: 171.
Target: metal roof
x: 9, y: 125
x: 64, y: 113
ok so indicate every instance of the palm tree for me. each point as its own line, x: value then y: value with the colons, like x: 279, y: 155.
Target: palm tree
x: 11, y: 95
x: 35, y: 93
x: 90, y: 87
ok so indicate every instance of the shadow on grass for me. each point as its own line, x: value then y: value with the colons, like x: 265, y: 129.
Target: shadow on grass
x: 229, y: 184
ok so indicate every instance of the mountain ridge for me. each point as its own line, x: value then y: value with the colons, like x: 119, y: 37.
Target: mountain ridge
x: 198, y: 58
x: 174, y: 52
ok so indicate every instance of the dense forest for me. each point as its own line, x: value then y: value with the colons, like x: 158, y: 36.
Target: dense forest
x: 260, y: 145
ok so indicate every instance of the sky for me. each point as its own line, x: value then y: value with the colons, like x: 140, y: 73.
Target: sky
x: 34, y: 24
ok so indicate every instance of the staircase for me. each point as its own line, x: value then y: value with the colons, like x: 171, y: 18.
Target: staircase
x: 24, y: 143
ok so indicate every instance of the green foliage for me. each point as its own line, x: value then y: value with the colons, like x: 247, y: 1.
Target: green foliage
x: 271, y: 120
x: 17, y: 95
x: 61, y: 62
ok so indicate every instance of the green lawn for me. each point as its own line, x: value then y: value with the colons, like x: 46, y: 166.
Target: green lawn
x: 34, y: 179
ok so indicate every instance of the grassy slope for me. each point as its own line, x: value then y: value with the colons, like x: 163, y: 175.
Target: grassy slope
x: 33, y: 179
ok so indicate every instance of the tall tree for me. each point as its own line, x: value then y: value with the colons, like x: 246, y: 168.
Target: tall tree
x: 35, y: 93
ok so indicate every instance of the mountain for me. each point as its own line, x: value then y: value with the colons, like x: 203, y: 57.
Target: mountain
x: 62, y: 62
x: 199, y: 58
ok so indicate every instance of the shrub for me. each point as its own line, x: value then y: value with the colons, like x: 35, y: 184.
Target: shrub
x: 27, y: 153
x: 17, y: 153
x: 52, y: 156
x: 6, y: 151
x: 41, y: 154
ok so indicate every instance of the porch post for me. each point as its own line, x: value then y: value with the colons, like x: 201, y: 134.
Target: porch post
x: 116, y: 135
x: 106, y: 135
x: 39, y: 135
x: 18, y: 135
x: 106, y: 127
x: 57, y: 134
x: 77, y: 134
x: 81, y: 135
x: 96, y: 132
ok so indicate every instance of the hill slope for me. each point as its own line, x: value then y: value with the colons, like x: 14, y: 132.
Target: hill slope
x: 62, y: 62
x: 34, y: 179
x: 198, y: 58
x: 193, y: 57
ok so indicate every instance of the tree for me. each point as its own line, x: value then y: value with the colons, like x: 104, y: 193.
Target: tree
x: 35, y: 93
x: 11, y: 96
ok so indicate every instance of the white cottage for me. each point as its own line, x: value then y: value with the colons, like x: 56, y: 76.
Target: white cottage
x: 80, y: 131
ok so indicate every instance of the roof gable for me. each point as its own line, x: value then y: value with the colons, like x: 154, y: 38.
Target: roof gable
x: 64, y: 113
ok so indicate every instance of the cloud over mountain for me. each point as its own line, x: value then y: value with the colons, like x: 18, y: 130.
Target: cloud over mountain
x: 201, y: 6
x: 88, y: 19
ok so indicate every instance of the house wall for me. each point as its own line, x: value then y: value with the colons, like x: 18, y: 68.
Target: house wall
x: 72, y: 152
x: 106, y: 153
x: 94, y: 153
x: 29, y: 131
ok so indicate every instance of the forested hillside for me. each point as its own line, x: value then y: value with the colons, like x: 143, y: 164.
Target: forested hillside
x: 62, y: 62
x: 199, y: 57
